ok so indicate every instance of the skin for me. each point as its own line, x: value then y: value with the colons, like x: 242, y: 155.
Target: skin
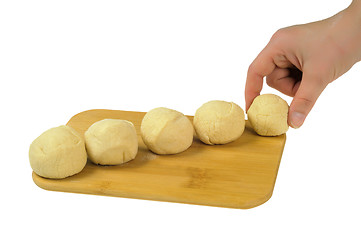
x: 301, y: 60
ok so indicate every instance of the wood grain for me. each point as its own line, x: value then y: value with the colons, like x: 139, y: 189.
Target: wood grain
x: 240, y: 174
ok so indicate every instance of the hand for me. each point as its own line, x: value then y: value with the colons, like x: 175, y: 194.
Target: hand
x: 300, y: 61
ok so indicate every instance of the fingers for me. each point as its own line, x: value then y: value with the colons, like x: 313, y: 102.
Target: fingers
x: 285, y: 80
x: 262, y: 66
x: 309, y: 90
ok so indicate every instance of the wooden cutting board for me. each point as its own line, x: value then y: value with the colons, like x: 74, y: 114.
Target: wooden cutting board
x: 240, y: 174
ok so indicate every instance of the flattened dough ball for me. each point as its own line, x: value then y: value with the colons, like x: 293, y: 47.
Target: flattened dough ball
x: 58, y: 153
x: 219, y: 122
x: 111, y: 142
x: 166, y: 131
x: 268, y: 115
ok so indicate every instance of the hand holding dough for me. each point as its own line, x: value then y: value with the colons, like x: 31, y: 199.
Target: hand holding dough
x: 111, y: 142
x: 58, y: 153
x: 166, y: 131
x: 268, y: 115
x: 219, y: 122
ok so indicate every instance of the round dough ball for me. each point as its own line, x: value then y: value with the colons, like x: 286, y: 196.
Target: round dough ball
x: 58, y: 153
x: 111, y: 142
x: 219, y: 122
x: 268, y: 115
x: 166, y: 131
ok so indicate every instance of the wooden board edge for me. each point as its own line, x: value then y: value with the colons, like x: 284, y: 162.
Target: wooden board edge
x: 47, y: 185
x: 97, y: 110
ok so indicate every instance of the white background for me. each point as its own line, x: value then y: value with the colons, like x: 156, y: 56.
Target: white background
x: 58, y: 58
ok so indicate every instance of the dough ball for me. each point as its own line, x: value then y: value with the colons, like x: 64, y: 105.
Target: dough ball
x: 58, y: 153
x: 111, y: 142
x: 166, y: 131
x: 268, y: 115
x: 219, y: 122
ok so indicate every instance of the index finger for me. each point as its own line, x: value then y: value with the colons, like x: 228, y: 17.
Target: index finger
x: 262, y: 66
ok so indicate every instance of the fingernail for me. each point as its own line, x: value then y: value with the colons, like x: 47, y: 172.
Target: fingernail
x: 297, y: 119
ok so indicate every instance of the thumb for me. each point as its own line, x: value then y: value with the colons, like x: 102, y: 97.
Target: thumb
x: 309, y: 90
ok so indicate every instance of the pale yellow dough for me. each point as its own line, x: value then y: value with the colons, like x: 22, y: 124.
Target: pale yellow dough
x: 219, y: 122
x: 111, y: 142
x: 58, y: 153
x: 268, y: 115
x: 166, y: 131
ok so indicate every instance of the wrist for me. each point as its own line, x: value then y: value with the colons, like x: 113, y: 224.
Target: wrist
x: 346, y: 28
x: 354, y: 11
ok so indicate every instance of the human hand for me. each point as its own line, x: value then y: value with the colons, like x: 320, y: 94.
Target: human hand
x: 300, y: 61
